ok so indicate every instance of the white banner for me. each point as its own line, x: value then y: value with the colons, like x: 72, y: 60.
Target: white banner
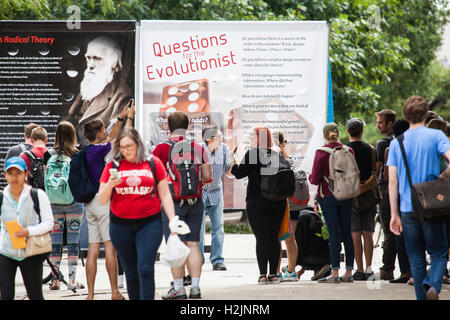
x: 237, y: 75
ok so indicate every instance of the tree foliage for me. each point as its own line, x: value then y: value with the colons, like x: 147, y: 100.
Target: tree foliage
x: 380, y: 50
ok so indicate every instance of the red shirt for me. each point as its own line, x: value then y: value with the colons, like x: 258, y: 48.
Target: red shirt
x: 162, y: 150
x: 135, y: 197
x: 38, y: 151
x: 321, y: 168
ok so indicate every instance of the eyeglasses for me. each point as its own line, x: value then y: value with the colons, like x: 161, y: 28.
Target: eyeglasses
x: 127, y: 147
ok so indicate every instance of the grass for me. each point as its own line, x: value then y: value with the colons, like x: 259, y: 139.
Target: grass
x: 238, y: 228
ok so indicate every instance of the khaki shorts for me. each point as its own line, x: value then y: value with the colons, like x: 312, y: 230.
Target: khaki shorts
x: 97, y: 216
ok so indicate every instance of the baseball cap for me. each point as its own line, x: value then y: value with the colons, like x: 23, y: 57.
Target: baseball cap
x: 355, y: 124
x: 16, y: 162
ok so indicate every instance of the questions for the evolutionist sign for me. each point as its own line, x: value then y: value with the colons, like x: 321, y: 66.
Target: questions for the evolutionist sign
x: 236, y: 75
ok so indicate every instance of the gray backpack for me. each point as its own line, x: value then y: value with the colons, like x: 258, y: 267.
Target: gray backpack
x: 343, y: 181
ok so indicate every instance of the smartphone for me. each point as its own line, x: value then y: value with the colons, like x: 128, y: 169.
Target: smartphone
x: 113, y: 172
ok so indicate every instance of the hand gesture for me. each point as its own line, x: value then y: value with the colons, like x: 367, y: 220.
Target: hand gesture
x: 131, y: 110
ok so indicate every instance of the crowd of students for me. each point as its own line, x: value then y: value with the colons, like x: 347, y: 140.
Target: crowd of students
x: 139, y: 195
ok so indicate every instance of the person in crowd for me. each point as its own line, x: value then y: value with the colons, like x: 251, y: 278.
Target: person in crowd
x: 423, y: 147
x: 136, y: 224
x: 212, y: 194
x: 363, y: 222
x: 17, y: 205
x: 39, y: 140
x: 264, y: 215
x: 398, y: 128
x: 337, y: 213
x: 97, y: 215
x: 16, y: 150
x: 191, y: 214
x: 442, y: 125
x: 385, y: 120
x: 288, y: 272
x: 104, y: 92
x: 68, y: 216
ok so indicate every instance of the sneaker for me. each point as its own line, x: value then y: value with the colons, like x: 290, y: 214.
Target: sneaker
x: 174, y: 295
x: 432, y: 294
x: 120, y: 281
x: 369, y: 275
x: 220, y: 266
x: 75, y: 286
x: 195, y: 293
x: 359, y: 276
x: 280, y: 276
x: 289, y: 276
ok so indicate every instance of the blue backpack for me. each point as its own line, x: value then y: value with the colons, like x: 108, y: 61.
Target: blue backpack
x: 56, y: 180
x: 82, y: 187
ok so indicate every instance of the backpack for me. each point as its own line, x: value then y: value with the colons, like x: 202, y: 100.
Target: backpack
x: 277, y: 181
x: 82, y: 187
x: 37, y: 172
x: 183, y: 166
x: 57, y: 180
x: 301, y: 194
x: 34, y: 197
x: 343, y: 181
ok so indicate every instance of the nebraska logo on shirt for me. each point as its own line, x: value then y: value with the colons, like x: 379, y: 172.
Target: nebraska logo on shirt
x: 134, y: 190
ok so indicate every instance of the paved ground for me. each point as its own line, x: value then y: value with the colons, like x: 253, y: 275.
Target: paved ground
x: 239, y: 282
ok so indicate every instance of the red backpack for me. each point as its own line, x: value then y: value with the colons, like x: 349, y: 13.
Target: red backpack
x: 183, y: 166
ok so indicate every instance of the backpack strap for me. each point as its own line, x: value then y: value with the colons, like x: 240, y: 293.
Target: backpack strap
x: 35, y: 198
x: 30, y: 155
x: 151, y: 162
x: 22, y: 147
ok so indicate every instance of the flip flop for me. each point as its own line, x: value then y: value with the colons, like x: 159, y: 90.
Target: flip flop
x: 330, y: 280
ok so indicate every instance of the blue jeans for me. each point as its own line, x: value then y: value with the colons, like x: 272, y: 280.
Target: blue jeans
x: 215, y: 214
x: 430, y: 236
x: 137, y: 245
x: 338, y: 216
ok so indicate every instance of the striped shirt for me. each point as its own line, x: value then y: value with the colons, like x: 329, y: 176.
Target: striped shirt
x: 220, y: 164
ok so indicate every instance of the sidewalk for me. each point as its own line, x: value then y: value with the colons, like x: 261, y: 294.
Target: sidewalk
x: 239, y: 282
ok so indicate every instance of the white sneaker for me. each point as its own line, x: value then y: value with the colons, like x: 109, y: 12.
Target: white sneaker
x: 120, y: 281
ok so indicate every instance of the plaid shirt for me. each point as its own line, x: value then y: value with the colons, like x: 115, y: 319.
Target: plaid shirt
x: 220, y: 164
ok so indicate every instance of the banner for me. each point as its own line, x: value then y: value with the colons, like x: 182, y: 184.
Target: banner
x: 50, y: 73
x: 236, y: 75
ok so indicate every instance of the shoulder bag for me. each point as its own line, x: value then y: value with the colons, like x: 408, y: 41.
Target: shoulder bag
x: 38, y: 244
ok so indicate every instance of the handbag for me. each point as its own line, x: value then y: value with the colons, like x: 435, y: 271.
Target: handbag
x: 430, y: 199
x: 38, y: 244
x: 285, y: 228
x: 370, y: 195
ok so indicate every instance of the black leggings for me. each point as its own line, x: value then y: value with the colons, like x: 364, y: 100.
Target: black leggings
x: 31, y: 269
x: 265, y: 219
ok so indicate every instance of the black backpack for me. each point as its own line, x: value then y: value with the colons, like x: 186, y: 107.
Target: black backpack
x: 82, y: 187
x: 37, y: 172
x: 277, y: 179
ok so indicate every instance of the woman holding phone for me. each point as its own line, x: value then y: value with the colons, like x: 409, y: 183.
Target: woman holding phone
x: 137, y: 186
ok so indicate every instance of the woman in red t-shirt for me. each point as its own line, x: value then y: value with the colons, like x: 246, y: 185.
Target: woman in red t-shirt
x: 136, y: 227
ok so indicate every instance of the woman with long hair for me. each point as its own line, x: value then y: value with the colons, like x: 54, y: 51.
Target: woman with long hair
x: 137, y: 190
x: 264, y: 215
x: 67, y: 216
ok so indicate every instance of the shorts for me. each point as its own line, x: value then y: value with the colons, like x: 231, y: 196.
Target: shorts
x: 191, y: 215
x: 97, y: 217
x: 364, y: 221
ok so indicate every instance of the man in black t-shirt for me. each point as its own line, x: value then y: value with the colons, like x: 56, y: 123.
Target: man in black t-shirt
x: 363, y: 222
x: 385, y: 120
